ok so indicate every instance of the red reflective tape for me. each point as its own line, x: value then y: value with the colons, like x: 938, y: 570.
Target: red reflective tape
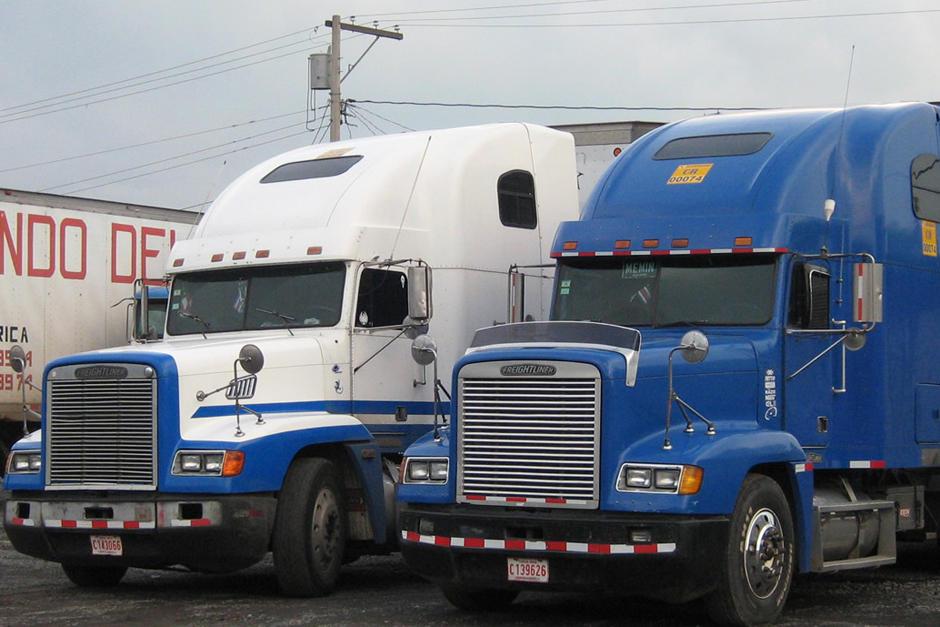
x: 515, y: 545
x: 781, y: 250
x: 878, y: 463
x: 131, y: 524
x: 808, y: 466
x: 742, y: 250
x: 859, y: 308
x: 99, y: 524
x: 441, y: 540
x: 556, y: 500
x: 200, y: 522
x: 602, y: 549
x: 659, y: 252
x: 473, y: 543
x: 69, y: 524
x: 556, y: 546
x: 554, y: 254
x: 861, y: 269
x: 516, y: 499
x: 476, y: 497
x: 645, y: 548
x: 701, y: 251
x: 412, y: 536
x: 17, y: 521
x: 585, y: 254
x: 622, y: 253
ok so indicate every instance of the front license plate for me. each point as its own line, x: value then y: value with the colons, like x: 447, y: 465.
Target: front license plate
x: 522, y: 569
x: 106, y: 545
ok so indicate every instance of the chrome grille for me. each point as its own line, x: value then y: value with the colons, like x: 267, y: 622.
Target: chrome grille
x: 529, y: 439
x: 101, y: 432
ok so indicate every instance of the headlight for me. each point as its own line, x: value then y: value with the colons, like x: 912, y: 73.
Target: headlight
x: 209, y: 463
x: 658, y: 478
x: 425, y: 470
x: 24, y: 463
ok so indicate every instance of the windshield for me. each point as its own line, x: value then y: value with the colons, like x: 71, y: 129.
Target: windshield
x: 668, y: 290
x: 257, y: 298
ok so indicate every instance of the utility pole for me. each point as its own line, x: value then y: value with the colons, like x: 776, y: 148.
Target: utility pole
x: 334, y: 77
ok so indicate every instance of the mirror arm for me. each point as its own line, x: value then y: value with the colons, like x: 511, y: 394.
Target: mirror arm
x: 820, y: 355
x: 373, y: 355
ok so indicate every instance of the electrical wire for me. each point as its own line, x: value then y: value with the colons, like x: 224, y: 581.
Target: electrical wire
x: 374, y: 130
x: 149, y: 143
x: 355, y: 105
x: 502, y: 6
x: 477, y: 105
x: 789, y: 18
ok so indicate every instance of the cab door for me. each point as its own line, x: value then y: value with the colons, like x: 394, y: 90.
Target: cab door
x: 810, y: 376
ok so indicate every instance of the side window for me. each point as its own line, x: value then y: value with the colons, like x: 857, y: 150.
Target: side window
x: 516, y: 192
x: 809, y: 297
x: 383, y: 298
x: 925, y: 187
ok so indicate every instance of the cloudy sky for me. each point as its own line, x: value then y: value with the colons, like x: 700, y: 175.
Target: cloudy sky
x: 171, y: 100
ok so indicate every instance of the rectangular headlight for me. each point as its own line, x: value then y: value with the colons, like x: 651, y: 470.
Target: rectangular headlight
x: 638, y: 477
x: 191, y: 462
x: 426, y: 470
x: 666, y: 478
x: 418, y: 470
x: 659, y: 478
x: 209, y: 463
x: 24, y: 463
x: 439, y: 470
x: 213, y: 462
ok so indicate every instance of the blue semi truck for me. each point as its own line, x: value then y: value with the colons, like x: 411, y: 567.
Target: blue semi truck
x: 738, y: 382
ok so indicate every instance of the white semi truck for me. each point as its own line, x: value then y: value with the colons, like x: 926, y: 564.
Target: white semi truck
x: 295, y: 365
x: 64, y: 263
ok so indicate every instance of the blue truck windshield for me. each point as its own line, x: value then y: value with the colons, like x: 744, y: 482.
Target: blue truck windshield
x: 257, y: 298
x: 668, y: 290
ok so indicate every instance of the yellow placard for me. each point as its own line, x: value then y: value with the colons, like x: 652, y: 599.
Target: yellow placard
x: 928, y: 235
x: 689, y: 174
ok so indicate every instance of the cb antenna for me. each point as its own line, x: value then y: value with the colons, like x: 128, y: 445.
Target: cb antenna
x: 829, y: 207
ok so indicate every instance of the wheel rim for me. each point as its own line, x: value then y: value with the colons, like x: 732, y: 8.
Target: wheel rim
x: 325, y: 530
x: 764, y: 553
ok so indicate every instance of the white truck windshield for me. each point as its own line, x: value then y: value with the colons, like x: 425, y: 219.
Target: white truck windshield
x: 249, y: 298
x: 664, y: 291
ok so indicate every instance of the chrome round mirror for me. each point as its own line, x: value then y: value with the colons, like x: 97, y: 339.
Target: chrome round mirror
x: 423, y: 350
x: 694, y: 346
x: 251, y: 358
x: 855, y: 341
x: 413, y: 328
x: 18, y: 358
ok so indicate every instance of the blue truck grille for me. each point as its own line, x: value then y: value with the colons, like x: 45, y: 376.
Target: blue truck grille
x: 529, y: 439
x: 100, y: 432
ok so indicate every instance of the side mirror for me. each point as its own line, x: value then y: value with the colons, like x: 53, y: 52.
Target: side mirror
x: 414, y: 328
x: 424, y: 350
x: 694, y: 347
x: 18, y: 359
x: 419, y: 293
x: 868, y: 291
x: 251, y: 359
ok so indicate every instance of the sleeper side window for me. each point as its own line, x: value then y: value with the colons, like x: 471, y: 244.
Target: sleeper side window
x: 809, y: 297
x: 925, y: 187
x: 516, y: 192
x: 382, y: 299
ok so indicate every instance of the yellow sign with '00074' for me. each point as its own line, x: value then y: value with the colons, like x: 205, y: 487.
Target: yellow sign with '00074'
x: 690, y: 174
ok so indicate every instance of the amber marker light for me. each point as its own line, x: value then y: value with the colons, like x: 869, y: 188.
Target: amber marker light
x: 680, y: 243
x: 650, y: 243
x: 217, y: 257
x: 238, y: 256
x: 177, y: 262
x: 233, y: 464
x: 262, y: 254
x: 743, y: 241
x: 569, y: 245
x: 314, y: 250
x: 622, y: 243
x: 691, y: 481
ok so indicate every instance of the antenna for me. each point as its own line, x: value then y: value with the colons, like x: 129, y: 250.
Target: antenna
x: 829, y: 206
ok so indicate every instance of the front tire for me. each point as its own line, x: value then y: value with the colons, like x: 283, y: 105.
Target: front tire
x: 755, y: 573
x: 478, y: 599
x: 94, y: 576
x: 309, y: 529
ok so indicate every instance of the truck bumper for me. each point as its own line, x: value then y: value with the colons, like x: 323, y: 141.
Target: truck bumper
x: 669, y: 557
x: 209, y: 533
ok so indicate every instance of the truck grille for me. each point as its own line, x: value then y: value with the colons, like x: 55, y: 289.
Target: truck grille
x: 529, y: 440
x: 101, y: 432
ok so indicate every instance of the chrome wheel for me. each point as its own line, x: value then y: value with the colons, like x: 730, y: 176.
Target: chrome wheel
x: 764, y: 553
x: 325, y: 532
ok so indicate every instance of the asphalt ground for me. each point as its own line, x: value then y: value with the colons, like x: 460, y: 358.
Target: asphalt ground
x: 382, y: 591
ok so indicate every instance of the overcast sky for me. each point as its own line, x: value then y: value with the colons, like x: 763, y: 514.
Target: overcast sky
x: 597, y: 52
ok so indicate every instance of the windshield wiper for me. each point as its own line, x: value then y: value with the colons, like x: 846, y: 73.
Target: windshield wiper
x: 679, y: 323
x: 193, y: 316
x: 284, y: 317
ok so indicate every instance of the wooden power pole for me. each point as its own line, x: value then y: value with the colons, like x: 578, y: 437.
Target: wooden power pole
x: 337, y: 27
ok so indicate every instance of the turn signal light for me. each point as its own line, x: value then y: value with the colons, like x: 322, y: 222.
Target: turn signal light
x: 569, y: 245
x: 743, y: 241
x: 691, y: 481
x: 233, y: 464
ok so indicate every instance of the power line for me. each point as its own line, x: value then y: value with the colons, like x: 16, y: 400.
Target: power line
x: 355, y: 105
x: 477, y: 105
x: 596, y: 12
x: 164, y: 160
x: 161, y: 71
x: 492, y: 7
x: 150, y: 143
x: 683, y: 23
x: 194, y: 161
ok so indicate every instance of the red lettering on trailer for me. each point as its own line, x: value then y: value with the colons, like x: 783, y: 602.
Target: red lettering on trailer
x: 73, y: 223
x: 6, y: 237
x: 149, y: 253
x: 31, y: 221
x: 116, y: 277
